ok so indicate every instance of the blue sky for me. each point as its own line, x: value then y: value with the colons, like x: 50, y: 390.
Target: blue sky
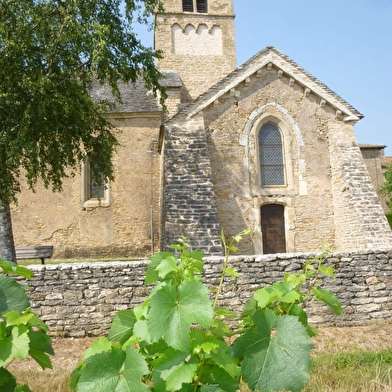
x: 346, y: 44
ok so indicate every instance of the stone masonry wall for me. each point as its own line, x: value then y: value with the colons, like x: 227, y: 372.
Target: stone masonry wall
x: 188, y: 200
x: 200, y: 47
x: 359, y: 218
x: 81, y: 299
x: 122, y: 229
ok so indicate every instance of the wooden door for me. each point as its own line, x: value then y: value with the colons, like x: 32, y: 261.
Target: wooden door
x: 273, y: 228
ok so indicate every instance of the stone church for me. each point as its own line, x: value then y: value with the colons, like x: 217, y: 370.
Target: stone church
x: 264, y: 146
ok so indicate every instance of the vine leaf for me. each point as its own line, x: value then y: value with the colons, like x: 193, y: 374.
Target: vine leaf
x: 152, y: 274
x: 97, y: 347
x: 168, y: 360
x: 114, y: 371
x: 180, y: 374
x: 11, y: 268
x: 122, y: 326
x: 281, y: 291
x: 7, y: 381
x: 12, y: 295
x: 16, y: 345
x: 328, y: 298
x: 174, y: 311
x: 276, y: 353
x: 40, y: 346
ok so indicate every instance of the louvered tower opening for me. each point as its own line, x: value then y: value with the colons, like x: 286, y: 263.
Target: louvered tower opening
x: 201, y: 6
x: 187, y: 5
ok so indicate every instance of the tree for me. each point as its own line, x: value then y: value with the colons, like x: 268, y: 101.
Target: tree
x: 386, y: 190
x: 51, y: 53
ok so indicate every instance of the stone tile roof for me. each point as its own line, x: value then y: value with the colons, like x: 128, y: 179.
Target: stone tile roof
x: 135, y: 96
x: 284, y: 63
x: 375, y: 146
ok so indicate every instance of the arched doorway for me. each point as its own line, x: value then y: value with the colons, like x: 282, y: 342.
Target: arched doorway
x: 273, y: 228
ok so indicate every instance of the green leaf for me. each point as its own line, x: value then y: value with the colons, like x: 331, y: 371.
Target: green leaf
x: 14, y: 317
x: 282, y: 291
x: 197, y: 260
x: 12, y: 295
x: 40, y: 346
x: 173, y: 312
x: 152, y: 274
x: 122, y: 326
x: 249, y: 308
x: 36, y: 322
x: 12, y: 268
x: 221, y: 329
x: 14, y: 346
x: 22, y: 388
x: 7, y: 381
x: 179, y: 374
x: 169, y: 359
x: 41, y: 341
x: 97, y: 347
x: 225, y: 312
x: 329, y: 271
x: 219, y: 380
x: 276, y: 353
x: 141, y: 331
x: 167, y: 266
x: 230, y: 271
x: 224, y: 360
x: 201, y: 342
x: 114, y: 371
x: 295, y: 279
x: 328, y: 298
x: 41, y: 358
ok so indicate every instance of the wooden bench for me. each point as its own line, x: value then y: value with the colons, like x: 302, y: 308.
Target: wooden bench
x: 34, y: 252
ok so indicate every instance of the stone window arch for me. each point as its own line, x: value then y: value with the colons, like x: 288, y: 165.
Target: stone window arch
x: 287, y: 141
x: 273, y: 156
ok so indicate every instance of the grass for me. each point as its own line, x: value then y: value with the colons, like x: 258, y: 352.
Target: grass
x: 351, y: 371
x: 356, y: 359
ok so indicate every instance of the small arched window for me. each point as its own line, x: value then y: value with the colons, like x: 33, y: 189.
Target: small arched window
x: 191, y: 5
x: 271, y: 155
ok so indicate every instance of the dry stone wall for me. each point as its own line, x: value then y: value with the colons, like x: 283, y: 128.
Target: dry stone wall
x: 81, y: 299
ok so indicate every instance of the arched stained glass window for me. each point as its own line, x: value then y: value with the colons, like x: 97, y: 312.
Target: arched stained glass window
x: 271, y: 156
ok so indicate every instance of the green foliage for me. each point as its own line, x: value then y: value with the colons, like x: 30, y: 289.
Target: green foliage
x: 51, y: 54
x: 178, y: 339
x: 386, y: 188
x: 22, y: 333
x: 389, y: 217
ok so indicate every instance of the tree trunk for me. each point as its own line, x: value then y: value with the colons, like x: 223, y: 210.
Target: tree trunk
x: 7, y: 247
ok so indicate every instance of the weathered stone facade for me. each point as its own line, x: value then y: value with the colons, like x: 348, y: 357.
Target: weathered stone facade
x: 375, y: 160
x: 122, y: 228
x: 81, y: 299
x: 327, y: 194
x: 197, y: 168
x: 200, y: 47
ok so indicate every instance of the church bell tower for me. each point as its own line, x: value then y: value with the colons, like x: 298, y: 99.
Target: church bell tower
x: 198, y: 41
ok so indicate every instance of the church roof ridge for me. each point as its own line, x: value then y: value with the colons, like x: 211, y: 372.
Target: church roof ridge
x: 269, y: 54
